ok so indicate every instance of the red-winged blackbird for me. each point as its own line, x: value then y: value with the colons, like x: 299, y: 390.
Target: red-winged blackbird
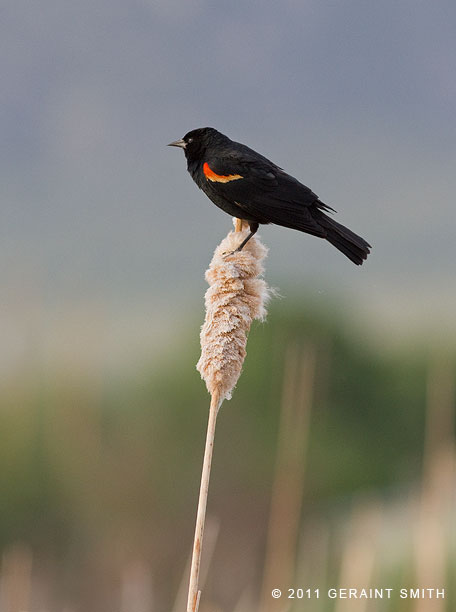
x: 246, y: 185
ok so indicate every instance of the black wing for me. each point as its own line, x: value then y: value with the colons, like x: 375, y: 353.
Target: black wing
x: 264, y: 191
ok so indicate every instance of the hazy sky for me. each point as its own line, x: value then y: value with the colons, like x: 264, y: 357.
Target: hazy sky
x: 357, y: 99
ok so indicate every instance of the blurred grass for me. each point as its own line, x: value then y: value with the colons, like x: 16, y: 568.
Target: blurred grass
x: 100, y: 474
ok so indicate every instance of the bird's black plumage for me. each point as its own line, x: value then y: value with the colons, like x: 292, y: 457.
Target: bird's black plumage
x: 249, y: 186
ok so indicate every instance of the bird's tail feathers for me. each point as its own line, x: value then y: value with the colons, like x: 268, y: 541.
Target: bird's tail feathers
x: 347, y: 242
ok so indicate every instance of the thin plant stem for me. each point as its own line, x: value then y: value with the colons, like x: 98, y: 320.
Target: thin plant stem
x: 193, y: 592
x: 211, y: 532
x: 288, y: 485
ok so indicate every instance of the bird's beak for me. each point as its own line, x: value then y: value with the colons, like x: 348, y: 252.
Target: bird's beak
x: 178, y: 143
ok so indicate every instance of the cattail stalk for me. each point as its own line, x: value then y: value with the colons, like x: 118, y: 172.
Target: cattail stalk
x: 193, y: 592
x: 287, y: 489
x: 235, y: 297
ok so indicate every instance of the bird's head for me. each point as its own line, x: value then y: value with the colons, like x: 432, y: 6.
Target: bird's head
x: 196, y: 142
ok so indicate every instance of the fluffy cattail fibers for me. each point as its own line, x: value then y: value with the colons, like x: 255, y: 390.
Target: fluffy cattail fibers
x: 236, y: 296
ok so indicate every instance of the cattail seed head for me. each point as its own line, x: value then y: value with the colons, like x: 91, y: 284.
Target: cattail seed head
x: 235, y: 297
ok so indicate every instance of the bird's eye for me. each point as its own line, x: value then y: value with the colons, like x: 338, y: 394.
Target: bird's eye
x: 189, y: 140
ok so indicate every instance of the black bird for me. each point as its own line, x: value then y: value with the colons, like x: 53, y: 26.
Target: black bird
x: 246, y: 185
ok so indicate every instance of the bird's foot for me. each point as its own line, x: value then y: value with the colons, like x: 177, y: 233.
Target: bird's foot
x: 228, y: 253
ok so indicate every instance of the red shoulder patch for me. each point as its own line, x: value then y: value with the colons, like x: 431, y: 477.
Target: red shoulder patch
x: 219, y: 178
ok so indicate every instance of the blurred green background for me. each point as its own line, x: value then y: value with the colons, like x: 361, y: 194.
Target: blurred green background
x: 99, y: 473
